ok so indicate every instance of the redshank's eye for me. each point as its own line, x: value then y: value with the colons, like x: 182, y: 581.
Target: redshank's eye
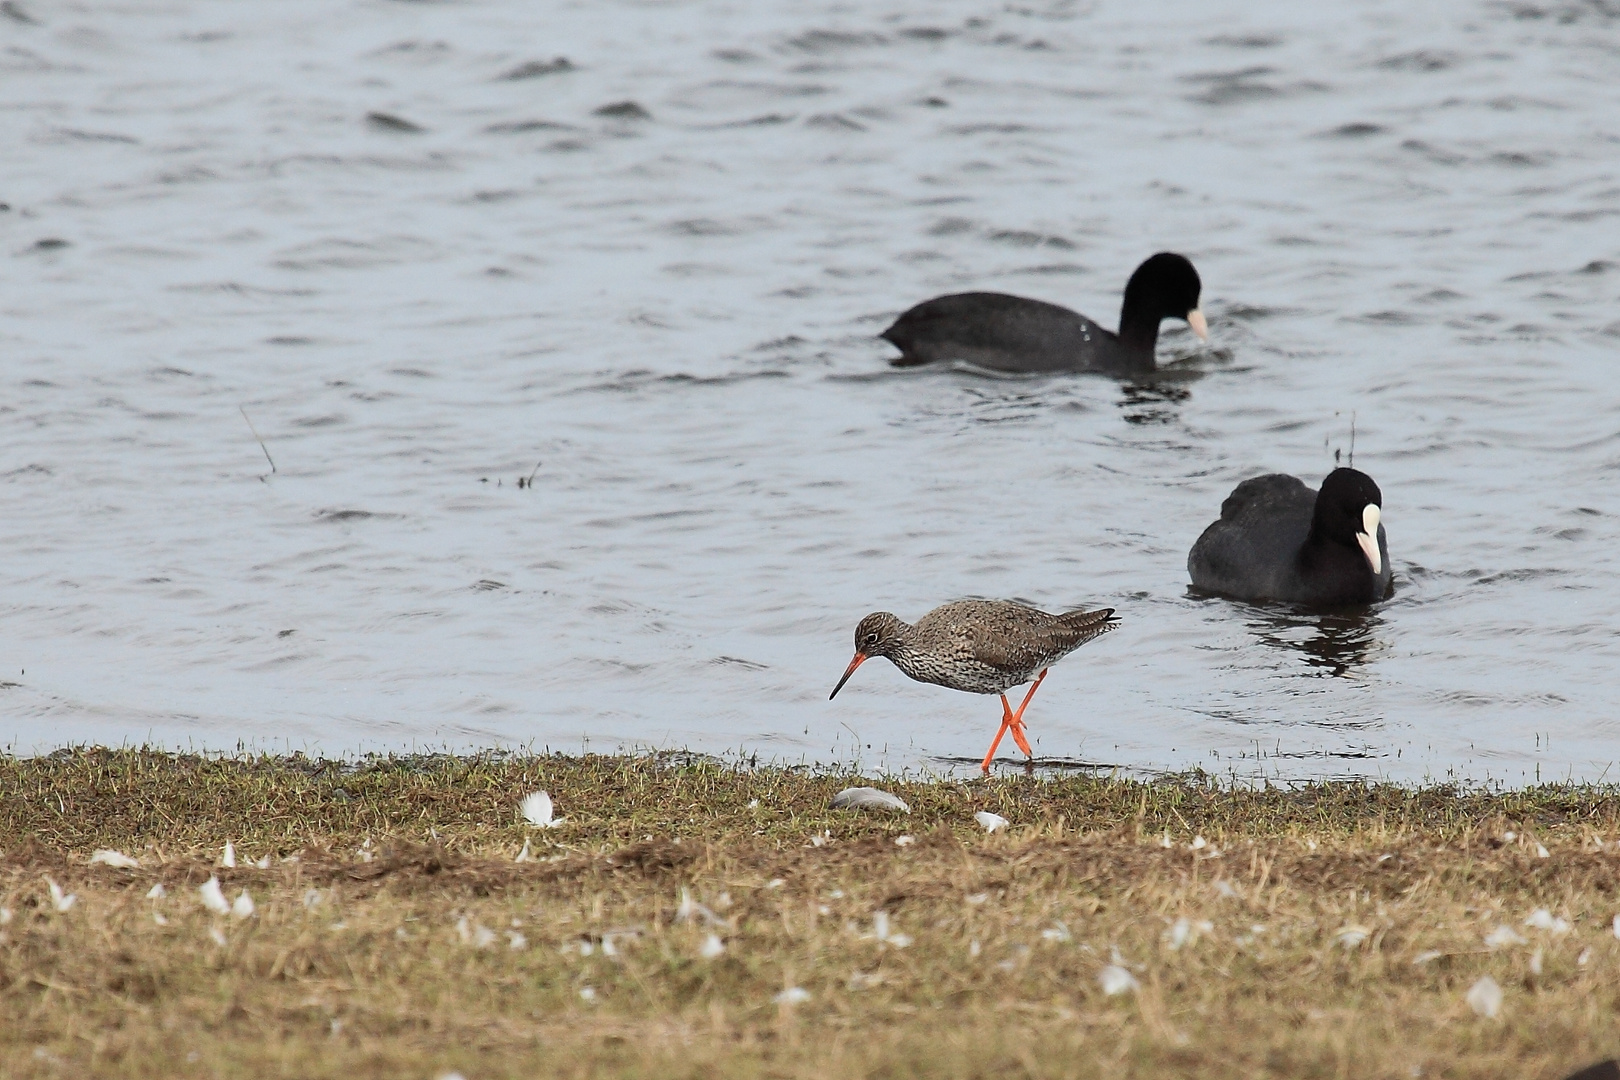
x: 871, y: 639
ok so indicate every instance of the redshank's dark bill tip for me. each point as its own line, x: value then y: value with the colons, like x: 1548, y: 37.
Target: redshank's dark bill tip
x: 860, y: 658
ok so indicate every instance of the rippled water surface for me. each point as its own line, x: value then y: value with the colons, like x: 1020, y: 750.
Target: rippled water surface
x: 427, y: 246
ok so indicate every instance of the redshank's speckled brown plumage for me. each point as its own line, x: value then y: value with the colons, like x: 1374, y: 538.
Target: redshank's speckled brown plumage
x: 980, y: 646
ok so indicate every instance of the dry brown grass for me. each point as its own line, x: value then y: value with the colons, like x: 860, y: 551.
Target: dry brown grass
x: 397, y: 959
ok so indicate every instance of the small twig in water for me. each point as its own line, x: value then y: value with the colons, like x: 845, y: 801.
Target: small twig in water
x: 256, y: 435
x: 529, y: 483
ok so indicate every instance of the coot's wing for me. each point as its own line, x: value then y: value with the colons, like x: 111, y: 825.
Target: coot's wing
x: 1249, y: 553
x: 1268, y: 496
x: 994, y: 330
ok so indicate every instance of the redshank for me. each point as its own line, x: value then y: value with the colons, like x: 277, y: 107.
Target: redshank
x: 980, y: 646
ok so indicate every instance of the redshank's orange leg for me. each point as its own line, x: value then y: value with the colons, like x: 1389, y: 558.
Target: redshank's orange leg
x: 1016, y: 721
x: 1006, y: 718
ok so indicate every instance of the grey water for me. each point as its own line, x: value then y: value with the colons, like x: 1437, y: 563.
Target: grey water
x: 639, y: 253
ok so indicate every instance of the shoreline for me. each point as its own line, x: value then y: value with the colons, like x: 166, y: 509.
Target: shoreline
x: 692, y: 919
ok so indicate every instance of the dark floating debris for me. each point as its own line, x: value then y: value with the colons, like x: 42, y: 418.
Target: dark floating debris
x: 751, y: 665
x: 515, y: 127
x: 51, y: 243
x: 389, y: 122
x: 834, y: 122
x: 286, y: 633
x: 535, y: 69
x: 488, y: 585
x: 528, y: 482
x: 1357, y: 130
x: 624, y: 110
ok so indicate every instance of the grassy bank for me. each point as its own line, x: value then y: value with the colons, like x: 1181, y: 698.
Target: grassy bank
x: 1329, y: 931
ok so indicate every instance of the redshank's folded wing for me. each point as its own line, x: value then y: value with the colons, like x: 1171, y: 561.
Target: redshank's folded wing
x: 1034, y: 639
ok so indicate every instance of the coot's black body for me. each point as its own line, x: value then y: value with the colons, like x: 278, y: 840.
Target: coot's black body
x: 1279, y: 540
x: 1011, y: 333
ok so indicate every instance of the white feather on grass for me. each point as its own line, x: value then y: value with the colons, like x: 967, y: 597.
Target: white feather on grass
x: 882, y: 932
x: 1352, y: 936
x: 62, y: 901
x: 1542, y: 919
x: 689, y: 909
x: 1485, y: 997
x: 477, y: 935
x: 1503, y: 936
x: 227, y: 858
x: 157, y: 892
x: 525, y: 855
x: 242, y: 907
x: 538, y: 811
x: 991, y: 822
x: 115, y: 859
x: 1116, y: 980
x: 793, y: 995
x: 1187, y: 932
x: 213, y: 898
x: 218, y: 936
x: 712, y: 947
x: 868, y: 798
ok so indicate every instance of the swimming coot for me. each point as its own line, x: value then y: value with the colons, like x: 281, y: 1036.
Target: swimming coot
x: 1010, y: 333
x: 1279, y: 540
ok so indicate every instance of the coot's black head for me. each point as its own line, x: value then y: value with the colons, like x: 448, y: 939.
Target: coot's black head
x: 1165, y: 287
x: 1348, y: 508
x: 879, y: 634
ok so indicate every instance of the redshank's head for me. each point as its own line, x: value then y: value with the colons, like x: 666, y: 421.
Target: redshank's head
x: 876, y: 635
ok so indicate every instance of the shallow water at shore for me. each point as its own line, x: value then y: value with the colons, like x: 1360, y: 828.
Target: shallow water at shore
x: 424, y: 255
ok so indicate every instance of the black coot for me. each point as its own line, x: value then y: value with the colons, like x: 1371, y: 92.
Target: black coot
x: 1010, y: 333
x: 1279, y: 540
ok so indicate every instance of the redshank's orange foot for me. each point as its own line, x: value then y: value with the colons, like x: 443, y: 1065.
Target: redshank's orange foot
x: 1016, y: 720
x: 1006, y: 719
x: 1023, y: 743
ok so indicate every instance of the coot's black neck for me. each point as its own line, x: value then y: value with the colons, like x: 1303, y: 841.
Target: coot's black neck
x: 1138, y: 331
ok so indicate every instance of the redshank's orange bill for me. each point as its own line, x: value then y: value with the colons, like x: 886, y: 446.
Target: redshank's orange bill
x: 860, y: 658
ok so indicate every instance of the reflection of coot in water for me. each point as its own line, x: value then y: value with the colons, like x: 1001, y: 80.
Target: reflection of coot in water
x: 1335, y: 643
x: 1279, y: 540
x: 1011, y: 333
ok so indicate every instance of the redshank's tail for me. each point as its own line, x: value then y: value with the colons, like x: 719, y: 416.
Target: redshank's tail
x: 1085, y: 625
